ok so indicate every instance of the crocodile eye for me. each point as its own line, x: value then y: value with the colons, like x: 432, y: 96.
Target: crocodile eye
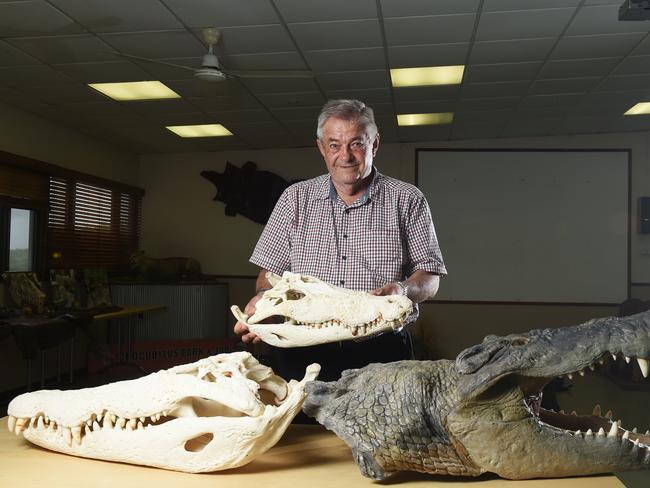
x: 294, y: 295
x: 519, y: 341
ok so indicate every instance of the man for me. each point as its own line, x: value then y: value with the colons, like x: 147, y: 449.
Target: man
x: 354, y: 228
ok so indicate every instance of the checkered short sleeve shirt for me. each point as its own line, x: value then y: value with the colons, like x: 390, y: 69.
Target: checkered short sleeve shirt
x: 384, y: 236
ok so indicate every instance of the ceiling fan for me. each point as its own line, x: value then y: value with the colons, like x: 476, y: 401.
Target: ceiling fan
x: 211, y: 70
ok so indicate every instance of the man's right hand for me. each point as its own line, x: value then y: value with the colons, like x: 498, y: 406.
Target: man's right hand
x: 242, y: 329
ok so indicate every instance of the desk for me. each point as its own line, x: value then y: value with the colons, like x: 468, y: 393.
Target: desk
x: 307, y: 455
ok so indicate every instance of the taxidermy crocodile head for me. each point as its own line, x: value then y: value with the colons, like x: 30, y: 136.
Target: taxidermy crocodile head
x: 483, y: 413
x: 315, y: 312
x: 217, y: 413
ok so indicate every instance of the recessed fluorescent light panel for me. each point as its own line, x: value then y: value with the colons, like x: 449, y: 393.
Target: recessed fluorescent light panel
x: 135, y: 90
x: 639, y: 109
x: 405, y: 120
x: 434, y: 75
x: 205, y: 130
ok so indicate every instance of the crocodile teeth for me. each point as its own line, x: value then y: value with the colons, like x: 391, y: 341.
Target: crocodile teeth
x: 67, y: 436
x: 76, y: 434
x: 11, y: 423
x: 596, y: 411
x: 614, y: 430
x: 626, y: 435
x: 601, y: 432
x: 644, y: 365
x: 589, y: 432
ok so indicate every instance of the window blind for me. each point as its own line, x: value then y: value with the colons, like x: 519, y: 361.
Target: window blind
x: 91, y: 225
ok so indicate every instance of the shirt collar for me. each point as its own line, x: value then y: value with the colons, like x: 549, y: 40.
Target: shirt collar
x: 367, y: 195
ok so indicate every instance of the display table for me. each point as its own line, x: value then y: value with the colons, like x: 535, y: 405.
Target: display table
x: 307, y: 456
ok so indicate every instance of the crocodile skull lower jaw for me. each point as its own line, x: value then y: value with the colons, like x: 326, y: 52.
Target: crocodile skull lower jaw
x: 218, y: 413
x: 316, y: 312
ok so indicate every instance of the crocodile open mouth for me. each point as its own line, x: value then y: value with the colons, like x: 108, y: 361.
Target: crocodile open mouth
x: 599, y: 425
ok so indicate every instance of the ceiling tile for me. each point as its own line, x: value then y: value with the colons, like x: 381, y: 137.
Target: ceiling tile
x: 569, y: 85
x: 223, y: 13
x: 60, y: 94
x: 415, y: 93
x: 424, y: 133
x: 10, y: 56
x: 429, y: 30
x: 273, y: 61
x: 501, y: 5
x: 119, y: 15
x: 501, y: 89
x: 522, y: 24
x: 177, y: 105
x: 480, y: 116
x: 346, y: 59
x: 204, y: 89
x: 596, y: 46
x: 417, y: 8
x: 349, y: 34
x: 553, y: 100
x: 368, y: 96
x: 425, y: 106
x: 31, y: 76
x: 291, y: 100
x: 575, y: 68
x: 297, y: 113
x: 35, y: 18
x: 158, y: 45
x: 480, y: 73
x: 65, y: 49
x: 354, y: 80
x: 230, y: 102
x: 496, y: 103
x: 428, y: 55
x: 622, y: 83
x: 278, y: 85
x: 633, y: 65
x: 643, y: 46
x: 164, y: 72
x: 254, y: 40
x: 301, y: 11
x: 487, y: 52
x: 243, y: 116
x: 602, y: 19
x: 113, y: 72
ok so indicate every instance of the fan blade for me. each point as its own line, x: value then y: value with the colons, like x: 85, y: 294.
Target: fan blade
x: 155, y: 61
x: 268, y: 74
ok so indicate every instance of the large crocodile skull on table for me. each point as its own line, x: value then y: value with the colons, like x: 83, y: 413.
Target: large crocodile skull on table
x: 315, y: 312
x: 217, y: 413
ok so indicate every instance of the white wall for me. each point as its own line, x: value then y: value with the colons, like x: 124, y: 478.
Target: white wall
x: 28, y: 135
x: 180, y: 218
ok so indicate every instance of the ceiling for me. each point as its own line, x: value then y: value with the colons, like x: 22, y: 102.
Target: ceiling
x: 533, y: 67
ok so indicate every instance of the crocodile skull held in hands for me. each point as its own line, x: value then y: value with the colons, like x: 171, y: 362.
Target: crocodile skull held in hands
x: 217, y: 413
x: 482, y: 413
x: 315, y: 312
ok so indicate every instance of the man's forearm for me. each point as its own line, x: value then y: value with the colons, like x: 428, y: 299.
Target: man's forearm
x: 421, y: 286
x: 262, y: 283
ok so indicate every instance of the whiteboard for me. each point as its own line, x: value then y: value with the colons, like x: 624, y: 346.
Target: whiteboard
x: 530, y: 225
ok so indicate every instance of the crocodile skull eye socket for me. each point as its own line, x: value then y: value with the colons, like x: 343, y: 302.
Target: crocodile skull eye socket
x: 294, y: 295
x: 519, y: 341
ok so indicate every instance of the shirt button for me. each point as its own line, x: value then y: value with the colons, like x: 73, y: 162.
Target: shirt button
x: 344, y: 258
x: 347, y: 211
x: 342, y: 282
x: 345, y: 236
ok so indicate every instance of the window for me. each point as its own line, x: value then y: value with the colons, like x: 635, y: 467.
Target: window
x: 91, y: 225
x: 21, y: 239
x: 56, y: 218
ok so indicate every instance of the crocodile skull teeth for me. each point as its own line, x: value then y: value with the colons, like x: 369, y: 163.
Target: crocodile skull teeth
x: 311, y: 311
x: 217, y: 413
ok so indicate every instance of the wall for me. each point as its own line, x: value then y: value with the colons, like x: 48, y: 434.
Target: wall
x: 28, y: 135
x: 180, y: 218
